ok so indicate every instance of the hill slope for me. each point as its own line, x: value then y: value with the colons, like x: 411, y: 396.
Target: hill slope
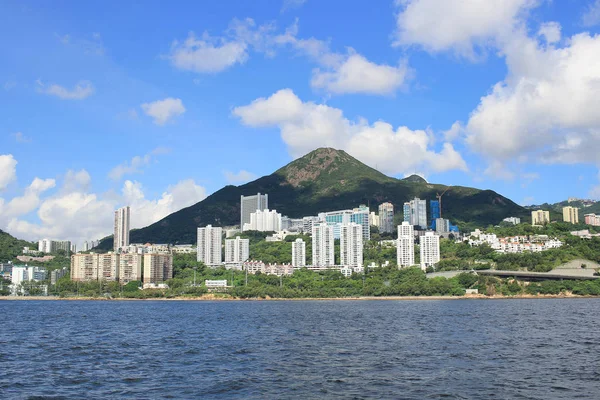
x: 325, y: 180
x: 11, y: 247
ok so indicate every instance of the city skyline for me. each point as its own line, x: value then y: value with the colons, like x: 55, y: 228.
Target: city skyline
x: 432, y: 101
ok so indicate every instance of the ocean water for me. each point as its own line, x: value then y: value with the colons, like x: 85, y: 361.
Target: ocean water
x: 452, y: 349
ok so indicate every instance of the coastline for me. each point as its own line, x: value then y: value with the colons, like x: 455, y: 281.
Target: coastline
x: 363, y: 298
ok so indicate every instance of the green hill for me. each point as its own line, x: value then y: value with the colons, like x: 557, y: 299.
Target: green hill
x: 326, y: 180
x: 11, y: 247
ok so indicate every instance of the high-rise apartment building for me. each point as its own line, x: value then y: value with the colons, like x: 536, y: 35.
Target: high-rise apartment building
x: 374, y: 219
x: 237, y: 250
x: 121, y: 234
x: 158, y: 267
x: 323, y: 253
x: 430, y: 250
x: 52, y: 246
x: 299, y: 253
x: 130, y: 267
x: 592, y: 219
x: 108, y: 267
x: 442, y: 225
x: 249, y: 204
x: 386, y: 218
x: 264, y: 221
x: 540, y: 217
x: 571, y: 214
x: 415, y: 212
x: 405, y: 251
x: 360, y: 216
x: 336, y: 219
x: 351, y: 245
x: 209, y: 245
x: 84, y: 267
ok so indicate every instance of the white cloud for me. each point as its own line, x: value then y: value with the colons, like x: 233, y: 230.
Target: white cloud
x: 455, y: 131
x: 550, y: 31
x: 358, y: 75
x: 163, y: 110
x: 136, y: 164
x: 547, y: 107
x: 74, y: 213
x: 207, y: 55
x: 459, y: 25
x: 291, y: 4
x: 591, y: 17
x: 21, y: 138
x: 145, y: 212
x: 82, y: 90
x: 305, y: 126
x: 8, y: 170
x: 242, y: 176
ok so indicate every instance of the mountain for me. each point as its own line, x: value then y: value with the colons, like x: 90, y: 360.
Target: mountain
x: 555, y: 209
x: 326, y: 180
x: 11, y: 247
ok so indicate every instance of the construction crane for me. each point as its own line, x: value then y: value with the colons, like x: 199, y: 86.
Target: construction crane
x: 439, y: 197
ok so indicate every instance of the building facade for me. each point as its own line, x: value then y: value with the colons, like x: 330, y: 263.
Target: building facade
x: 122, y: 223
x: 237, y: 250
x: 158, y: 268
x: 52, y: 246
x: 264, y: 221
x: 405, y: 248
x: 108, y: 267
x: 351, y: 245
x: 250, y: 204
x: 571, y: 214
x: 323, y: 253
x: 415, y: 212
x: 386, y: 218
x: 430, y: 250
x: 512, y: 220
x: 434, y: 208
x: 24, y: 273
x: 592, y: 219
x: 84, y: 267
x: 130, y: 267
x: 299, y: 253
x: 540, y: 217
x: 209, y: 245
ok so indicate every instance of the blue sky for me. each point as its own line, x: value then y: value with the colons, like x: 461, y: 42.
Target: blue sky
x: 157, y: 106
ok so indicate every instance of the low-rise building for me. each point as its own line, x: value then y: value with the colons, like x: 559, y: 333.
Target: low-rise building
x: 512, y: 220
x: 215, y: 283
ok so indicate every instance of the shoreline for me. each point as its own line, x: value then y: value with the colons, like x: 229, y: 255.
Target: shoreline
x: 363, y: 298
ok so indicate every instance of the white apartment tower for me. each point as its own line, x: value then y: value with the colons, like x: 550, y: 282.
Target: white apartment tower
x: 351, y: 245
x: 430, y: 250
x: 121, y: 235
x: 264, y: 221
x: 417, y: 209
x: 386, y: 218
x: 323, y: 253
x: 209, y: 245
x: 249, y: 204
x: 299, y: 253
x: 237, y: 250
x: 406, y: 245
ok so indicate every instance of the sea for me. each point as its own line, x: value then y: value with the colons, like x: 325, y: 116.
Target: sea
x: 339, y: 349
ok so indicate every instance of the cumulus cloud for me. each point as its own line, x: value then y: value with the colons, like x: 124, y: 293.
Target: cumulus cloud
x: 163, y: 110
x: 8, y: 170
x: 242, y: 176
x: 136, y: 164
x: 82, y: 90
x: 305, y: 126
x: 546, y: 108
x: 77, y: 214
x: 591, y: 16
x: 462, y: 26
x: 550, y: 31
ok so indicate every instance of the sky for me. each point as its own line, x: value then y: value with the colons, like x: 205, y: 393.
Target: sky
x: 157, y: 104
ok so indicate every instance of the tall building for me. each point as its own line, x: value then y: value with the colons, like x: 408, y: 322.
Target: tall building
x: 209, y: 245
x: 374, y: 219
x: 442, y: 225
x: 336, y: 219
x: 158, y: 267
x: 405, y: 249
x: 592, y: 219
x: 299, y: 253
x: 121, y: 235
x: 434, y: 208
x: 249, y: 204
x: 360, y: 216
x: 108, y: 267
x: 86, y: 246
x: 264, y: 221
x: 24, y: 273
x: 52, y: 246
x: 386, y: 218
x: 415, y: 212
x: 430, y: 250
x: 406, y: 212
x: 323, y: 253
x: 571, y: 214
x: 84, y: 267
x: 351, y: 245
x: 540, y: 217
x: 237, y: 250
x: 130, y: 267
